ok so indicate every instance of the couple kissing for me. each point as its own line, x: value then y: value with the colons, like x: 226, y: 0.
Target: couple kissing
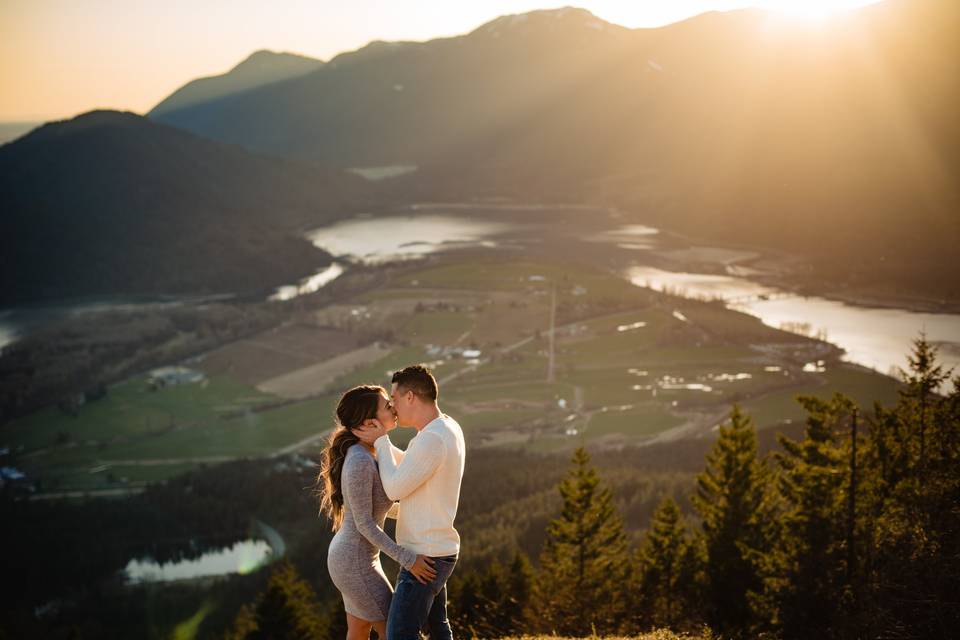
x: 364, y: 479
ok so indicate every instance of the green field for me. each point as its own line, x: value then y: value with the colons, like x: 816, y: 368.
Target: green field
x: 620, y: 374
x: 643, y: 420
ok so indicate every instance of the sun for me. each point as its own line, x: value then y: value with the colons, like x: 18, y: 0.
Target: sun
x: 812, y: 9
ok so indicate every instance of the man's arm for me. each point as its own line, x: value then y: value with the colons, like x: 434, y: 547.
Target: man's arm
x: 396, y: 453
x: 421, y: 459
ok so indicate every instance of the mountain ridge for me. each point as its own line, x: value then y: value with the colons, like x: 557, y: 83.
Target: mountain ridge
x: 113, y: 203
x: 836, y: 140
x: 261, y: 68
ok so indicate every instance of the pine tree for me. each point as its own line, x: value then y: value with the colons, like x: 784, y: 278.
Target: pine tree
x: 492, y: 602
x: 811, y: 573
x: 584, y: 564
x: 919, y: 399
x: 492, y: 594
x: 668, y: 566
x: 243, y: 626
x: 733, y: 506
x: 519, y: 589
x: 914, y: 575
x: 286, y: 610
x: 468, y: 609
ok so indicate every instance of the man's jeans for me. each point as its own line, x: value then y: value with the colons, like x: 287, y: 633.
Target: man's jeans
x: 417, y: 606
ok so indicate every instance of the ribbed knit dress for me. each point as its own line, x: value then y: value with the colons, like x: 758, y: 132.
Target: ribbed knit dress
x: 353, y: 558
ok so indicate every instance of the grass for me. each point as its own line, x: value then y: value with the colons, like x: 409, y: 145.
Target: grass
x: 181, y: 422
x: 436, y: 327
x: 131, y: 410
x: 863, y: 386
x: 536, y: 391
x: 501, y: 306
x: 643, y: 421
x: 493, y: 420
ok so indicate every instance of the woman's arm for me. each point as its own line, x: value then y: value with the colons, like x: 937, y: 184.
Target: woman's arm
x: 357, y: 482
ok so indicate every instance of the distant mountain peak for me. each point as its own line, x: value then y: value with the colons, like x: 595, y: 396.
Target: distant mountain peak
x: 563, y: 17
x: 85, y: 121
x: 265, y: 58
x: 260, y: 68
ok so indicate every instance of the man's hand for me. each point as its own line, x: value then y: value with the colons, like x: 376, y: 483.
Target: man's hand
x: 370, y: 430
x: 423, y: 569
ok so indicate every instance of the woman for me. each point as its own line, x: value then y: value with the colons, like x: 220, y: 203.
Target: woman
x: 352, y: 497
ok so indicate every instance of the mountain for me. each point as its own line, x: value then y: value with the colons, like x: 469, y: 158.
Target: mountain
x: 13, y: 130
x: 836, y: 139
x: 260, y: 69
x: 113, y: 203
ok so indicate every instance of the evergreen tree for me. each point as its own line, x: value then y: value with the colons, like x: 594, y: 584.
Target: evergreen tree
x: 493, y: 593
x: 468, y: 608
x: 516, y: 597
x: 492, y: 602
x: 244, y: 625
x: 668, y: 566
x: 286, y: 610
x: 913, y: 576
x: 584, y: 564
x: 810, y: 574
x: 733, y: 506
x: 923, y: 379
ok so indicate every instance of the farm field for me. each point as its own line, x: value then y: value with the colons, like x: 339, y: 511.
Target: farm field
x: 624, y: 366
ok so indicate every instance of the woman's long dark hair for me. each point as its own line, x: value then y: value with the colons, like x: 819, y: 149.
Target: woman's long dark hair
x: 355, y: 406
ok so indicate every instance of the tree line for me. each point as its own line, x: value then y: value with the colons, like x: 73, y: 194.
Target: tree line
x: 850, y: 531
x: 847, y: 529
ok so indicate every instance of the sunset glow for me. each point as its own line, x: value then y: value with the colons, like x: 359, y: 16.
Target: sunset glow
x: 60, y: 58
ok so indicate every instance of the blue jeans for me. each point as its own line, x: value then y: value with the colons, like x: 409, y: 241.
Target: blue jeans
x: 417, y: 606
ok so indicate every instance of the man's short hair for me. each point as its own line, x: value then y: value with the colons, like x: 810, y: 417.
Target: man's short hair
x: 419, y: 379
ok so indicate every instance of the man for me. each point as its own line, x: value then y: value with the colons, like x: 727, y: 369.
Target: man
x: 426, y: 480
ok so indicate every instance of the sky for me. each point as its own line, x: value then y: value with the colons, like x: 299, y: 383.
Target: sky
x: 60, y: 58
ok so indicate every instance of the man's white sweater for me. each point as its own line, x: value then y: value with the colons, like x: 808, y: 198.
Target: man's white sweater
x: 426, y: 480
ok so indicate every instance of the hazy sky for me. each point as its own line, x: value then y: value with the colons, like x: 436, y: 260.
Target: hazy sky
x: 59, y: 58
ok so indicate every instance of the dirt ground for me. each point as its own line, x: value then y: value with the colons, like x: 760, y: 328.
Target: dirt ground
x: 273, y: 353
x: 313, y: 379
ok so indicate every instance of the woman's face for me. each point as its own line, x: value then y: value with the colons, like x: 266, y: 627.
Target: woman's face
x: 385, y: 412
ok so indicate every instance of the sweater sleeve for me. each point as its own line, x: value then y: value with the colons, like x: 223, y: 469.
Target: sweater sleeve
x: 420, y: 461
x: 396, y: 453
x: 357, y: 481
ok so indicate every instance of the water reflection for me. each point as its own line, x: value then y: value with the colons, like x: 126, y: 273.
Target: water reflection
x: 311, y: 284
x: 243, y: 557
x: 635, y: 237
x: 876, y: 338
x: 376, y: 240
x: 701, y: 286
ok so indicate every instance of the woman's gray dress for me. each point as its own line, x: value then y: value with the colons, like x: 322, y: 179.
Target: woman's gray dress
x: 354, y: 555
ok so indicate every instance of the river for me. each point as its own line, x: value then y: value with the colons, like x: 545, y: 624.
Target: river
x: 879, y: 338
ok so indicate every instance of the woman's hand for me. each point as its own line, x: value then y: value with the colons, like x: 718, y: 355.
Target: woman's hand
x: 423, y: 569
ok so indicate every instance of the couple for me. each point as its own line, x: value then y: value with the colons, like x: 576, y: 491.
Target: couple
x: 363, y: 475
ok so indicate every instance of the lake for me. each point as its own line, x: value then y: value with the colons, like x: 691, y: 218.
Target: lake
x: 873, y: 337
x: 243, y: 557
x: 374, y: 240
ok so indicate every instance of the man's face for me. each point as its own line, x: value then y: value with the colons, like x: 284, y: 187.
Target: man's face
x: 401, y: 403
